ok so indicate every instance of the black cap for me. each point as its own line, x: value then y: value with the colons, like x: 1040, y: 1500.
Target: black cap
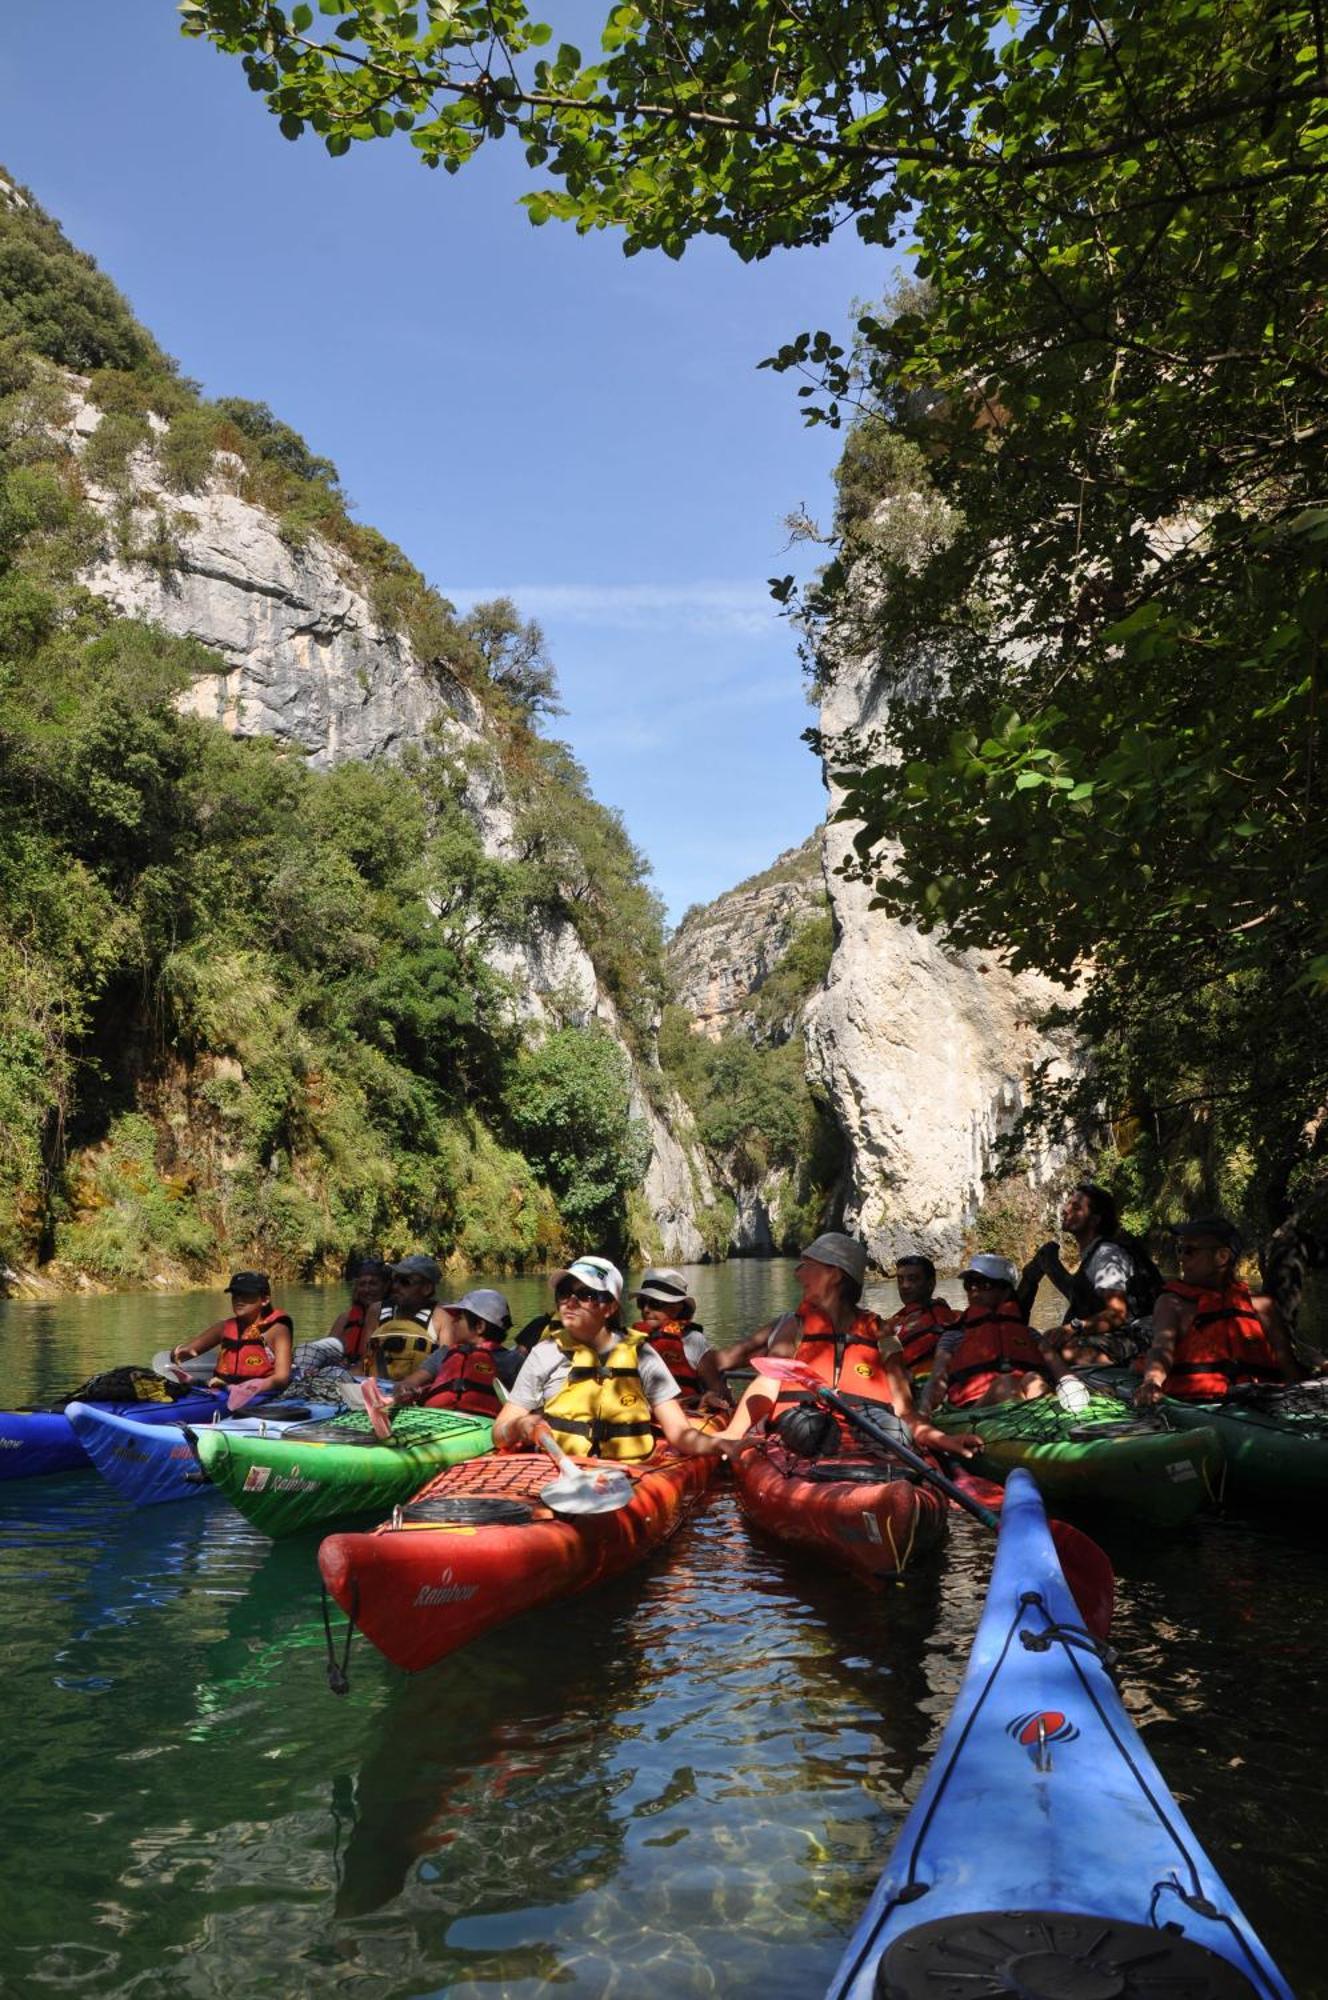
x: 254, y: 1284
x: 1210, y: 1225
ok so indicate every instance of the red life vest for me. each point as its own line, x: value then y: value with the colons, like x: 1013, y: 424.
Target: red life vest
x: 245, y: 1355
x: 847, y: 1362
x: 917, y: 1328
x: 1223, y: 1347
x: 993, y: 1344
x: 352, y: 1333
x: 465, y: 1381
x: 668, y: 1344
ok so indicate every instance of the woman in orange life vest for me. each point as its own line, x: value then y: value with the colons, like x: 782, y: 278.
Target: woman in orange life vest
x: 667, y: 1308
x: 368, y: 1289
x: 921, y: 1317
x: 848, y: 1348
x: 256, y: 1343
x: 465, y: 1374
x: 1210, y: 1336
x: 989, y: 1355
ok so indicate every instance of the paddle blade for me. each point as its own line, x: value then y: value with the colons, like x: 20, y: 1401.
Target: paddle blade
x: 377, y: 1409
x: 795, y: 1372
x: 242, y: 1393
x: 1087, y: 1569
x: 588, y: 1493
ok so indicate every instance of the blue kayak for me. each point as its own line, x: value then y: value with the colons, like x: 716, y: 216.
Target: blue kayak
x: 1045, y: 1857
x: 151, y: 1463
x: 34, y: 1442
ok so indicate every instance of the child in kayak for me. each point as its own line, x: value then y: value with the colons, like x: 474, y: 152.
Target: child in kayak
x: 255, y: 1344
x: 990, y: 1355
x: 848, y: 1348
x: 467, y: 1372
x: 667, y: 1309
x: 601, y: 1390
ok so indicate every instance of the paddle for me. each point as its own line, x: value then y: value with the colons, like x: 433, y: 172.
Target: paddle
x: 377, y: 1409
x: 1087, y: 1568
x: 577, y: 1491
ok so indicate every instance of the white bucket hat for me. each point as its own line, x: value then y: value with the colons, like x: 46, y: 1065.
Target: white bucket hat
x: 984, y: 1265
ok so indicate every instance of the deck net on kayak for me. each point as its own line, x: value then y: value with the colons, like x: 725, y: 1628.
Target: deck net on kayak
x: 1302, y: 1406
x: 1046, y: 1421
x: 409, y: 1427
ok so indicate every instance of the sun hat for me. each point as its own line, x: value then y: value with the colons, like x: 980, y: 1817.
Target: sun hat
x: 418, y: 1266
x: 491, y: 1307
x: 663, y: 1286
x: 845, y: 1253
x: 597, y: 1274
x: 999, y: 1269
x: 250, y: 1284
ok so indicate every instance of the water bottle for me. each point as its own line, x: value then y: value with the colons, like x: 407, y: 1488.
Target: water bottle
x: 1073, y: 1395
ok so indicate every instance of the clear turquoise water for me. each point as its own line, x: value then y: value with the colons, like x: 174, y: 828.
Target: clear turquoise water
x: 683, y: 1785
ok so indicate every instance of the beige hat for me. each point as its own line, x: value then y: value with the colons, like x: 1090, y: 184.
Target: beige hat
x: 845, y: 1253
x: 663, y: 1286
x: 999, y: 1269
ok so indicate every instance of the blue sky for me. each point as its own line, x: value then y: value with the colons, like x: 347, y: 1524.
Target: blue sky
x: 523, y: 410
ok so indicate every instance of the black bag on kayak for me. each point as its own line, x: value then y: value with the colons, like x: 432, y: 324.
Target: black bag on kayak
x: 808, y: 1430
x: 128, y: 1385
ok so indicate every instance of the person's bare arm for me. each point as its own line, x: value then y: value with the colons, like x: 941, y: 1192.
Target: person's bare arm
x: 283, y: 1353
x: 682, y: 1433
x: 1279, y: 1338
x: 202, y: 1343
x: 1169, y: 1320
x: 743, y: 1351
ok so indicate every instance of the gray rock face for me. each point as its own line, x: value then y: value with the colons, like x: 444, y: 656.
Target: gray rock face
x: 924, y: 1052
x: 300, y: 656
x: 722, y: 953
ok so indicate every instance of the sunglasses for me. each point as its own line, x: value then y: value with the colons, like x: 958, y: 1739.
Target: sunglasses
x: 979, y: 1284
x: 579, y: 1295
x: 400, y: 1343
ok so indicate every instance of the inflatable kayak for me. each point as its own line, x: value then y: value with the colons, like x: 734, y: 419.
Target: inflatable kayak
x: 864, y: 1514
x: 327, y: 1472
x: 1045, y: 1855
x: 34, y: 1442
x: 153, y: 1463
x: 1101, y: 1457
x: 477, y: 1547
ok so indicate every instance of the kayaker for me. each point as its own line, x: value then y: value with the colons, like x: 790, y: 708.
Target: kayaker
x: 849, y: 1348
x: 921, y: 1317
x: 989, y: 1355
x: 368, y: 1289
x: 256, y: 1343
x: 462, y: 1375
x: 1210, y: 1335
x: 1110, y: 1292
x: 668, y: 1321
x: 411, y: 1323
x: 602, y: 1391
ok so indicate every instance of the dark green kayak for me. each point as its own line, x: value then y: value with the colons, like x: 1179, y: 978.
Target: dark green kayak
x: 1274, y: 1441
x: 318, y: 1473
x: 1101, y: 1458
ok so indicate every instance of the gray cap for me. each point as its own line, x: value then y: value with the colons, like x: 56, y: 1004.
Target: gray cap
x: 998, y: 1269
x: 663, y: 1286
x: 418, y: 1266
x: 491, y: 1307
x: 845, y: 1253
x: 1216, y: 1226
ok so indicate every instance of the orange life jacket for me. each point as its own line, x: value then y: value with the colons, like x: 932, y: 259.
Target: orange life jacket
x: 917, y: 1328
x: 1223, y: 1347
x: 993, y: 1344
x: 849, y: 1363
x: 668, y: 1344
x: 245, y: 1355
x: 352, y: 1333
x: 465, y: 1381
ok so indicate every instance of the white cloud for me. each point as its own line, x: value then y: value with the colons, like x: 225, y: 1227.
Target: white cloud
x: 745, y: 608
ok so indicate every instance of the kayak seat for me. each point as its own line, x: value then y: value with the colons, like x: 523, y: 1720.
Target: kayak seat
x: 1052, y: 1955
x: 478, y: 1509
x: 849, y: 1472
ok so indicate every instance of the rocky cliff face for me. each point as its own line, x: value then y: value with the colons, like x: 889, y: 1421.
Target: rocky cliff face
x: 924, y: 1053
x: 301, y: 656
x: 723, y: 952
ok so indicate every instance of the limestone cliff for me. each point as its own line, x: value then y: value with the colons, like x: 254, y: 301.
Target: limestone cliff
x: 723, y: 952
x: 300, y: 655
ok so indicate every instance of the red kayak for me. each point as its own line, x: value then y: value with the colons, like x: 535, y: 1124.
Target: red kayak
x: 866, y: 1515
x: 476, y: 1547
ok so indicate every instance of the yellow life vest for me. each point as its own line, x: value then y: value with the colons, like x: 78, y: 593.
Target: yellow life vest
x: 601, y: 1409
x: 397, y: 1347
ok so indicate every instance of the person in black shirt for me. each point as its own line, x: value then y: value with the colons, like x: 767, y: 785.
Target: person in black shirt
x: 1110, y: 1292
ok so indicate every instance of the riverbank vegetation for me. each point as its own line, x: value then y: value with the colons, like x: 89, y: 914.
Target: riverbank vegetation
x: 248, y: 1009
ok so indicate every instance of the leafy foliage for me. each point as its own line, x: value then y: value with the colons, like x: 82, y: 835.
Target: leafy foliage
x: 570, y: 1101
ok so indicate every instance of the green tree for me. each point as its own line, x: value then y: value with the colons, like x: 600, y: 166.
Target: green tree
x: 569, y: 1101
x: 1083, y: 527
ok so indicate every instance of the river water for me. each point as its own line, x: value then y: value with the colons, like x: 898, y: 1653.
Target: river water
x: 682, y: 1785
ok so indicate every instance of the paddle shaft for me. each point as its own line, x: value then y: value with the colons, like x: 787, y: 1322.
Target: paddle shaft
x: 913, y: 1459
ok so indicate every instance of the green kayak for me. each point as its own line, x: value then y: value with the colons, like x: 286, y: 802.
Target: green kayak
x: 318, y: 1473
x: 1100, y: 1458
x: 1275, y: 1444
